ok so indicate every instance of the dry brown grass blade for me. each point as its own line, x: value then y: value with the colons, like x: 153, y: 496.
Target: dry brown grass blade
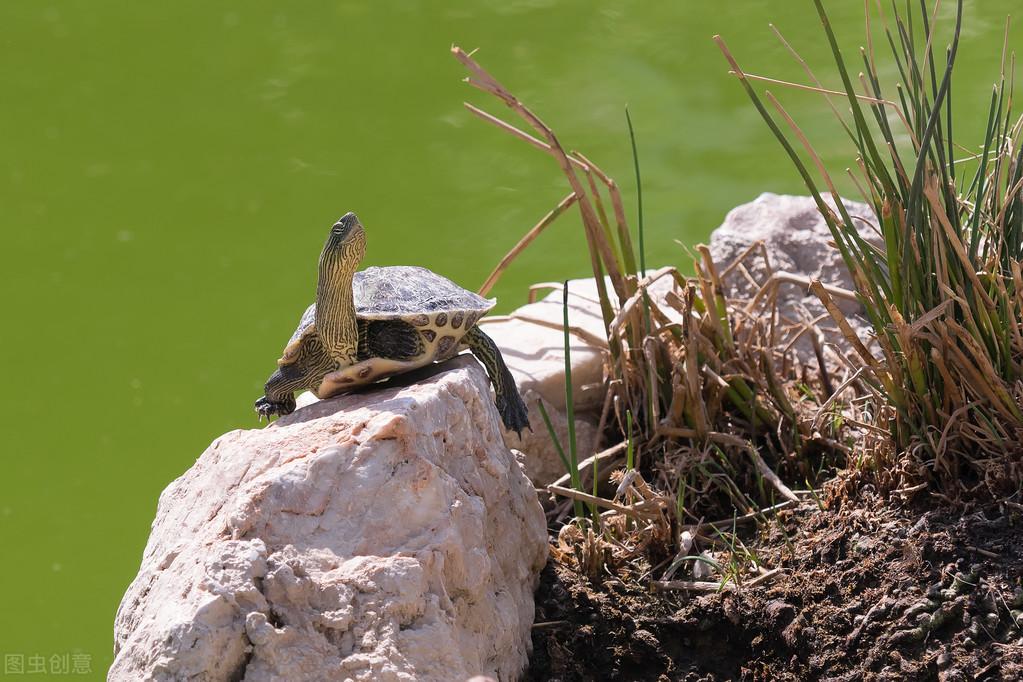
x: 783, y: 277
x: 813, y: 88
x: 818, y: 288
x: 813, y: 77
x: 736, y: 442
x: 521, y: 134
x: 938, y: 211
x: 602, y: 458
x: 533, y: 233
x: 598, y: 204
x: 696, y: 528
x: 768, y: 473
x: 587, y: 336
x: 741, y: 258
x: 692, y: 586
x: 809, y: 148
x: 641, y: 288
x: 705, y: 586
x: 624, y: 236
x: 573, y: 494
x: 713, y: 295
x: 484, y: 81
x: 822, y: 412
x: 535, y: 289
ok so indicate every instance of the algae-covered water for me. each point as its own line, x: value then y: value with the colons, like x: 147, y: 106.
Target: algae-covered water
x: 168, y: 172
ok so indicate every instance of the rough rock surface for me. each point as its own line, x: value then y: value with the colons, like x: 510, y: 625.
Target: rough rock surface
x: 385, y: 535
x: 797, y: 241
x: 532, y: 342
x: 533, y: 345
x: 539, y: 456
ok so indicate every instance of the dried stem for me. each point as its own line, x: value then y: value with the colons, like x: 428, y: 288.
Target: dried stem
x: 524, y: 242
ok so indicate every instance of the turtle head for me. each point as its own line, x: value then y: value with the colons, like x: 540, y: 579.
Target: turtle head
x: 345, y: 247
x: 347, y: 239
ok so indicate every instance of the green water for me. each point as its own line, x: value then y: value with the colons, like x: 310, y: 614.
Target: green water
x: 168, y: 174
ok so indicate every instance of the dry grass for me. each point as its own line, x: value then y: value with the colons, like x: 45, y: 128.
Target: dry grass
x: 944, y: 294
x: 706, y: 415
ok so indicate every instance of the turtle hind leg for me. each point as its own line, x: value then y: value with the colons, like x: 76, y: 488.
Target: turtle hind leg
x: 509, y: 402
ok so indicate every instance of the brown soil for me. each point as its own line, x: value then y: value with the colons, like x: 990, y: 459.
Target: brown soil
x: 870, y: 591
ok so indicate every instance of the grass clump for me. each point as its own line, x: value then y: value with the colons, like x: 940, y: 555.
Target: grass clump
x: 940, y: 278
x: 706, y: 414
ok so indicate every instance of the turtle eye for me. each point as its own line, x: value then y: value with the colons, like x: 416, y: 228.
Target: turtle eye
x: 344, y: 225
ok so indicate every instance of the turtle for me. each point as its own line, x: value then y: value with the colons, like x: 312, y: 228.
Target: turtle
x: 367, y: 325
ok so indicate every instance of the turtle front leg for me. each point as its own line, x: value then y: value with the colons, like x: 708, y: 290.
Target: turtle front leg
x: 506, y: 393
x: 279, y: 392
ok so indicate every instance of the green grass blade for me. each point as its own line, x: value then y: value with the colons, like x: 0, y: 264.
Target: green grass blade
x: 573, y: 452
x: 554, y: 437
x: 639, y: 194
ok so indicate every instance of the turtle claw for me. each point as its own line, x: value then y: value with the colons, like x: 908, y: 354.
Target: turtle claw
x: 513, y: 413
x: 268, y: 408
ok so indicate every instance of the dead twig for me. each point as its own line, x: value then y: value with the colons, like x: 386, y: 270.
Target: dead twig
x: 491, y: 280
x: 601, y: 502
x: 704, y: 586
x: 482, y: 80
x: 754, y: 515
x: 521, y: 134
x: 586, y: 466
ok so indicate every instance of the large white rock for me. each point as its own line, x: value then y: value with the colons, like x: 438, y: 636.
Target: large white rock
x: 386, y: 535
x: 533, y: 345
x: 797, y: 241
x: 540, y: 457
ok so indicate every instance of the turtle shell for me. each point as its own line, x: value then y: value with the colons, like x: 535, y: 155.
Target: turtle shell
x: 439, y: 308
x: 403, y: 291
